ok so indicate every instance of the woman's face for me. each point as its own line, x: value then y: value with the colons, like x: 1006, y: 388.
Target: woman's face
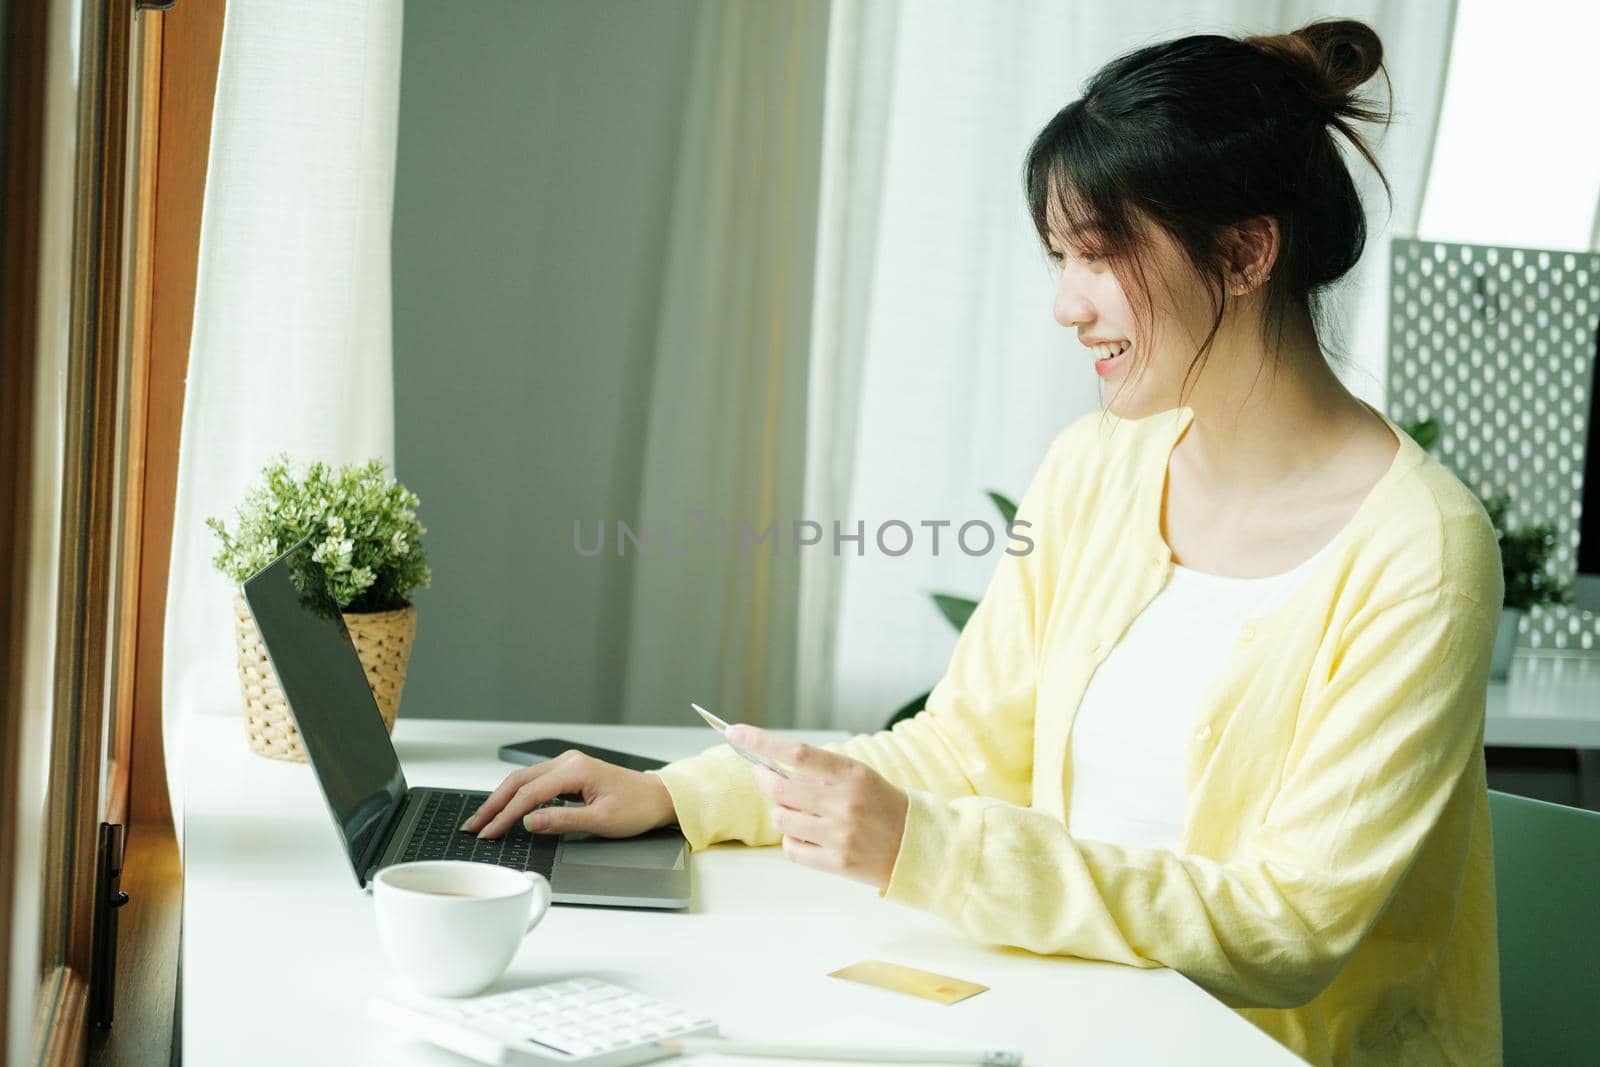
x: 1145, y: 377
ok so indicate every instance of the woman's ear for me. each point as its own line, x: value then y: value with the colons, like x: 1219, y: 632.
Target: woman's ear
x: 1252, y: 253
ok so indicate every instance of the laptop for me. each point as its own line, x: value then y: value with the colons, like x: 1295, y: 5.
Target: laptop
x: 380, y: 818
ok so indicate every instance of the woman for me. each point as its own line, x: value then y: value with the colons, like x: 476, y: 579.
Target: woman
x: 1227, y: 716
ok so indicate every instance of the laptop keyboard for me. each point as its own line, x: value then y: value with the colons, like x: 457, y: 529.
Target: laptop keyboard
x: 438, y: 836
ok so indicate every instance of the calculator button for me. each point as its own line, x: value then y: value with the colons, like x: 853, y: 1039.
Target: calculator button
x: 573, y: 1020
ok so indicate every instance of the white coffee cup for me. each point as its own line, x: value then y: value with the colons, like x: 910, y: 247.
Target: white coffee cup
x: 451, y: 927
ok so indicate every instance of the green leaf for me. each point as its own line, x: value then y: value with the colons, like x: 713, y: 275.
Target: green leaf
x: 1424, y: 431
x: 1008, y: 510
x: 958, y: 609
x: 1524, y: 554
x: 362, y: 524
x: 909, y: 709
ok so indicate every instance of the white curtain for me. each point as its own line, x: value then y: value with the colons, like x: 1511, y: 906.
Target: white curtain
x: 723, y: 444
x: 936, y: 369
x: 291, y: 349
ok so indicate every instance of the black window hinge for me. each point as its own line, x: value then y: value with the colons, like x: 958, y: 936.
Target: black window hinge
x: 108, y: 897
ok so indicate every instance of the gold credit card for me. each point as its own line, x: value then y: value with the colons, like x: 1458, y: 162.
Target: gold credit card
x: 936, y: 987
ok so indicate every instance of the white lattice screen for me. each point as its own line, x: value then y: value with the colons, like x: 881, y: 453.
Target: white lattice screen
x: 1498, y: 344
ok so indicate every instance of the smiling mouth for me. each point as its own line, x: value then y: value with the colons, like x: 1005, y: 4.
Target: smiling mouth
x: 1110, y: 356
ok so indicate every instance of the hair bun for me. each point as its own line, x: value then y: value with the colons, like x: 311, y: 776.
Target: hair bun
x: 1348, y: 51
x: 1331, y: 58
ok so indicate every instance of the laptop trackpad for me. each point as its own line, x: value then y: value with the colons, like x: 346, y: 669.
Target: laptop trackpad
x: 651, y: 853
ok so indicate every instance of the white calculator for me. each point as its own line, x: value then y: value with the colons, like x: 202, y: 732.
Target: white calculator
x: 582, y: 1021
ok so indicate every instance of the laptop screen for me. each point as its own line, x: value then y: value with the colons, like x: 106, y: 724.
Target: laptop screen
x: 326, y: 689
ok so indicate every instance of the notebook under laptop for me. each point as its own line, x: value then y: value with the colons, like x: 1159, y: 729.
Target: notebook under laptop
x: 380, y: 818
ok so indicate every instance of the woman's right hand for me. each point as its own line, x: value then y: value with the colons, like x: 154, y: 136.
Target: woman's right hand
x: 617, y: 802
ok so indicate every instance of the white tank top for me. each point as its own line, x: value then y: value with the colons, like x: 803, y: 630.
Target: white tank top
x: 1129, y: 738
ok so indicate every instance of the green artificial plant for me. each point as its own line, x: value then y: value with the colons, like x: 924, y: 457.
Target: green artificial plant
x: 956, y: 609
x: 1524, y: 552
x: 362, y: 522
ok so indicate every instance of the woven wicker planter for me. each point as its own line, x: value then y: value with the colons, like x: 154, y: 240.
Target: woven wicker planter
x: 383, y: 641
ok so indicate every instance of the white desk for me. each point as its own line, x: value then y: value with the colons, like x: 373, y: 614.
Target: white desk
x: 280, y: 950
x: 1549, y: 700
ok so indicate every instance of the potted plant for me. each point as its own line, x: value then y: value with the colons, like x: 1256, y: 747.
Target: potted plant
x: 368, y: 543
x: 956, y: 610
x: 1524, y: 554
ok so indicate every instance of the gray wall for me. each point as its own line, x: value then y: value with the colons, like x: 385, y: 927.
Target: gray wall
x: 536, y: 149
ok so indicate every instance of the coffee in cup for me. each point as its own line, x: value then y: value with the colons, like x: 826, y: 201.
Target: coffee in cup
x: 451, y: 927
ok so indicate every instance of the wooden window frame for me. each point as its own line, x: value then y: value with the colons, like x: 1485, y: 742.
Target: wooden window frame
x: 182, y: 48
x: 20, y: 154
x: 90, y: 450
x: 144, y: 79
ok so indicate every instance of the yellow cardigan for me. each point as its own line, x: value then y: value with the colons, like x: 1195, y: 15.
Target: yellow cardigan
x: 1334, y: 881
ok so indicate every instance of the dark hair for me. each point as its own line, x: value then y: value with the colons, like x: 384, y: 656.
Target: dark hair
x: 1199, y: 134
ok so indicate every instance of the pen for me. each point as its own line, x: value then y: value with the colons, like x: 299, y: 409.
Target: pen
x: 879, y: 1054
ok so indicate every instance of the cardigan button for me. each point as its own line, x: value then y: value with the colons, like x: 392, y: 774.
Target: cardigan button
x: 1247, y: 633
x: 1203, y: 733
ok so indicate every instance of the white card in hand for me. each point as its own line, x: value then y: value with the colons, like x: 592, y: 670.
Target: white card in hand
x: 722, y: 728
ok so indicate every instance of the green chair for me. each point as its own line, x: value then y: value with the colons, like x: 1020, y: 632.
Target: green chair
x: 1547, y: 884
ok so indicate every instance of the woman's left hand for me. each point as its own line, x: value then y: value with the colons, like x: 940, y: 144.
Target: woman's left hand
x: 838, y: 814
